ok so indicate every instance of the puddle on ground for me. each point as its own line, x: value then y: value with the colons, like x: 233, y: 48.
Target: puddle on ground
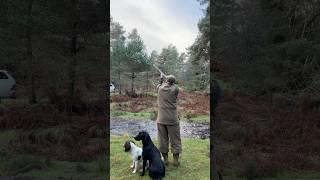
x: 119, y: 126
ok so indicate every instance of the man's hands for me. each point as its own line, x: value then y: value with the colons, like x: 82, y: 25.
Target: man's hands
x: 162, y: 76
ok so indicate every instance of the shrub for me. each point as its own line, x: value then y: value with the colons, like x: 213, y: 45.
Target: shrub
x: 257, y: 167
x: 22, y: 165
x: 250, y: 170
x: 102, y: 165
x: 153, y: 115
x: 2, y: 109
x: 3, y: 155
x: 80, y: 168
x: 188, y: 116
x: 117, y: 113
x: 233, y: 133
x: 48, y: 162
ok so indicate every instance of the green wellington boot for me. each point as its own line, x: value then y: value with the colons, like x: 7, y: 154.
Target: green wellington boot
x: 176, y: 160
x: 165, y: 158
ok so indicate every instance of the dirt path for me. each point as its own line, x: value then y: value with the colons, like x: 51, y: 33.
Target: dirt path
x: 120, y: 126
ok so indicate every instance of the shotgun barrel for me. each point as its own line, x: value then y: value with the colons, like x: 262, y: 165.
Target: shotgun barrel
x: 162, y: 74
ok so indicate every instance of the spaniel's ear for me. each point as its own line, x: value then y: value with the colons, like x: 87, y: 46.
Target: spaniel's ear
x: 139, y: 157
x: 127, y: 146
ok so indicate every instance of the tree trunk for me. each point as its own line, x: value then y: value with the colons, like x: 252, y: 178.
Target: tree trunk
x: 214, y: 172
x: 119, y: 78
x: 32, y: 90
x: 215, y: 97
x: 73, y: 62
x: 32, y: 95
x: 72, y: 67
x: 4, y: 15
x: 147, y: 81
x: 132, y: 82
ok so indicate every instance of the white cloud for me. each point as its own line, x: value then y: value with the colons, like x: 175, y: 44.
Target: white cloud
x: 156, y: 23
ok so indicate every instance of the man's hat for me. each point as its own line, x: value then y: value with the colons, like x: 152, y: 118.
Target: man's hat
x: 171, y: 79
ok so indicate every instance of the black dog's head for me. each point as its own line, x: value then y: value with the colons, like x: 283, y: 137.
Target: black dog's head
x: 142, y: 136
x: 127, y: 145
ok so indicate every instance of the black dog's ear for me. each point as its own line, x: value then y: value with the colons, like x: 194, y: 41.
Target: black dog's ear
x: 145, y: 136
x: 139, y: 157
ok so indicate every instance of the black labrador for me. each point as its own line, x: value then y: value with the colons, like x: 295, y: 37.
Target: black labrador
x: 151, y: 153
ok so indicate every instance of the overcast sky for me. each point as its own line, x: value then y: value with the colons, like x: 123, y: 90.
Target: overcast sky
x: 160, y: 22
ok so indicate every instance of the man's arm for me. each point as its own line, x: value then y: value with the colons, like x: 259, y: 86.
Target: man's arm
x: 161, y: 81
x: 176, y: 92
x: 161, y: 78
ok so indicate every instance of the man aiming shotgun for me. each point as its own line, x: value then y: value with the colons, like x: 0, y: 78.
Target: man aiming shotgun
x: 167, y: 120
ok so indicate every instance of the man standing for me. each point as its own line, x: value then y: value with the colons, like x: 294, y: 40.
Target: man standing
x: 167, y: 120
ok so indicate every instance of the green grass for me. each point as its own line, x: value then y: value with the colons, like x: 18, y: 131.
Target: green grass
x: 36, y: 166
x: 78, y: 170
x: 131, y: 115
x: 154, y: 94
x: 39, y: 166
x: 194, y: 161
x: 296, y: 176
x: 283, y: 176
x: 200, y: 119
x: 145, y: 115
x: 231, y: 170
x: 14, y: 102
x: 6, y: 136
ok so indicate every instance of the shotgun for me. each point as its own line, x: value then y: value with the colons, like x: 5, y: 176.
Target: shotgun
x: 162, y: 74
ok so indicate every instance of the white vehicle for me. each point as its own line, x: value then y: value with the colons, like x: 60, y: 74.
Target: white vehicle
x: 7, y: 85
x: 112, y: 88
